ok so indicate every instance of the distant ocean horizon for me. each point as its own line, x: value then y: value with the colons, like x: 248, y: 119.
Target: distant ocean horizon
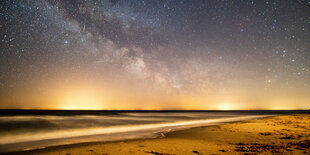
x: 34, y: 129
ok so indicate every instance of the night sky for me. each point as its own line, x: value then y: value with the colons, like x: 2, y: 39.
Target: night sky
x: 176, y: 54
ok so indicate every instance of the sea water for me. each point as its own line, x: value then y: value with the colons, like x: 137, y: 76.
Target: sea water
x: 33, y: 129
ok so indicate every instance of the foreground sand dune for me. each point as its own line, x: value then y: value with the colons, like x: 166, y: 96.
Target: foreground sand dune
x: 287, y: 134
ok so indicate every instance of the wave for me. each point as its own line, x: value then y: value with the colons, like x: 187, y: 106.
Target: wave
x: 32, y: 132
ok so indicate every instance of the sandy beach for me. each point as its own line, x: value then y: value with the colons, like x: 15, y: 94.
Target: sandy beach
x: 286, y: 134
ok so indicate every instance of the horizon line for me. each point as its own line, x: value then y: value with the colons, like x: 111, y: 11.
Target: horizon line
x: 162, y: 110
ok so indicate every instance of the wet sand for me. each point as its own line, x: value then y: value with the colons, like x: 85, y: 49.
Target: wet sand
x: 286, y: 134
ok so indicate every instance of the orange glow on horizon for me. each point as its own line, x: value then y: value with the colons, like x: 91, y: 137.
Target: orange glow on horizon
x: 80, y: 97
x: 85, y: 95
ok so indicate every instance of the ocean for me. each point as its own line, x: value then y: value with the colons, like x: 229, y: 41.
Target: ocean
x: 33, y: 129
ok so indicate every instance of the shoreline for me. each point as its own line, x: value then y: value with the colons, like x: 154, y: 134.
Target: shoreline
x: 189, y: 137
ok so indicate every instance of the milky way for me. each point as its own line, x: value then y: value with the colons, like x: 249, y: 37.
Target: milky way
x: 156, y: 54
